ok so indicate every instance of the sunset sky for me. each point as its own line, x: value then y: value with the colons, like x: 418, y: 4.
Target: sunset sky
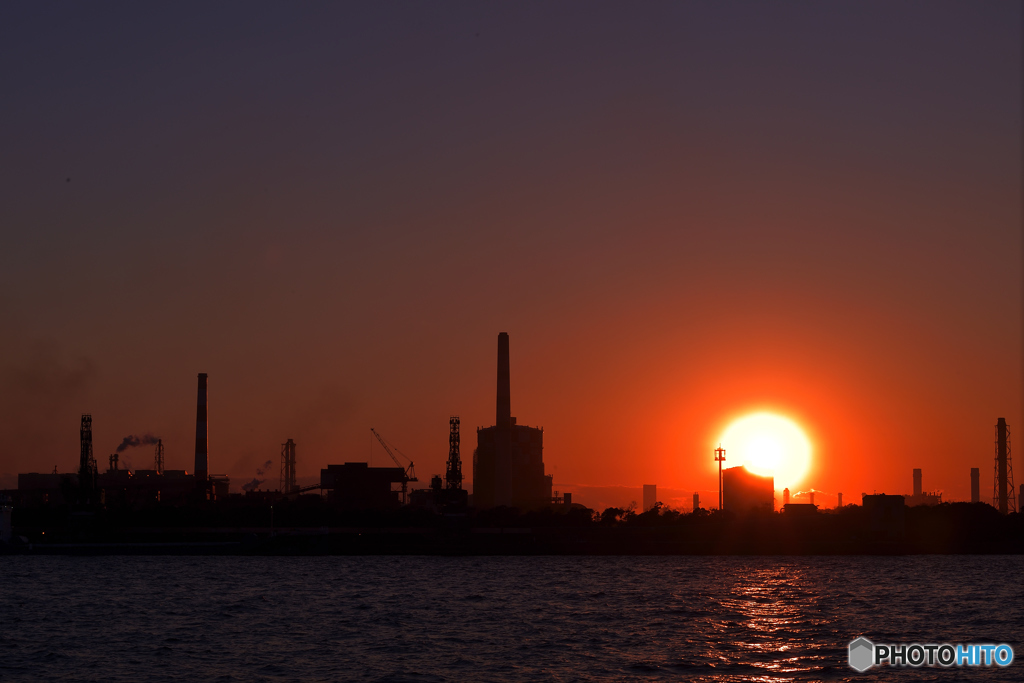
x: 681, y: 212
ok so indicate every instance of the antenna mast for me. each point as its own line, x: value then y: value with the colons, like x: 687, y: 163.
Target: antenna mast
x: 719, y: 458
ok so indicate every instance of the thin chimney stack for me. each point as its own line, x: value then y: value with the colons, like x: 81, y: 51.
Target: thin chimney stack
x: 503, y: 418
x: 202, y: 435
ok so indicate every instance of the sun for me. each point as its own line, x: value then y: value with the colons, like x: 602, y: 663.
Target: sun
x: 768, y: 444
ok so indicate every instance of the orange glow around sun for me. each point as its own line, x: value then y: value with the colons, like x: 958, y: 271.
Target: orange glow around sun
x: 768, y: 444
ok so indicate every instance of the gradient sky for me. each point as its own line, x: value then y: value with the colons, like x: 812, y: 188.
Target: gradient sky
x: 680, y: 212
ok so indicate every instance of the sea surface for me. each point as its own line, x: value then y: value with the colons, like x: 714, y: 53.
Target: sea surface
x: 496, y: 618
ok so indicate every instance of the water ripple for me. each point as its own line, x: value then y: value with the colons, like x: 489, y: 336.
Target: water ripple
x: 490, y: 619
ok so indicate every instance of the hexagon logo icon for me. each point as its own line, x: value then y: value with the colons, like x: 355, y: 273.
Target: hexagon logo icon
x: 862, y: 654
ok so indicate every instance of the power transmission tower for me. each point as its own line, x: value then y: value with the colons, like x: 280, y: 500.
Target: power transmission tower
x: 1003, y: 497
x: 288, y: 467
x: 453, y: 476
x: 158, y: 457
x: 86, y: 463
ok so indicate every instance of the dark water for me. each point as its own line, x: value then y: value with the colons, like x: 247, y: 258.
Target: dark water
x: 495, y: 619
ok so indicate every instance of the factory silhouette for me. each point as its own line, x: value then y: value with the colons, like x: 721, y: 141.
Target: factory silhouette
x: 358, y: 508
x: 508, y: 464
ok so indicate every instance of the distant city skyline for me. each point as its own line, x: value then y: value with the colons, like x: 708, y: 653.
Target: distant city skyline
x: 681, y: 213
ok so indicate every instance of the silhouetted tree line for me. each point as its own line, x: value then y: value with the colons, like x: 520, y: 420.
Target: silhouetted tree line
x: 946, y: 528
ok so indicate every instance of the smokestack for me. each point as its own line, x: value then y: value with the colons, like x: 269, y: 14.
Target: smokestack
x: 696, y: 501
x: 785, y: 496
x: 650, y: 495
x: 1001, y: 459
x: 840, y: 504
x: 975, y: 485
x: 917, y: 483
x: 202, y: 435
x: 503, y: 417
x: 812, y: 497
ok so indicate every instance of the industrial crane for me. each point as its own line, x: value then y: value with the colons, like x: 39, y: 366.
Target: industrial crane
x: 410, y: 471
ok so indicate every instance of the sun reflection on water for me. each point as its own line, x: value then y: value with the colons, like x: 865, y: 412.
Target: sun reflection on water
x: 764, y: 614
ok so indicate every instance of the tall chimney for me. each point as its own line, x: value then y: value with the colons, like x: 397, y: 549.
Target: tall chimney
x: 503, y: 417
x: 202, y: 435
x: 840, y: 503
x: 1001, y: 474
x: 917, y: 483
x: 975, y: 485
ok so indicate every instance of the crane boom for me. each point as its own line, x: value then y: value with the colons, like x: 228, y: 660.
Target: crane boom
x: 386, y: 448
x: 410, y: 471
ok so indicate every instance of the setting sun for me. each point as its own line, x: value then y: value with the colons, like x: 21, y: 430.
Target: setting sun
x: 769, y: 444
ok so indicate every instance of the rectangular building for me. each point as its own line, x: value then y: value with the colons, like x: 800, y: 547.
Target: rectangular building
x: 357, y: 486
x: 39, y: 488
x: 886, y: 518
x: 744, y: 492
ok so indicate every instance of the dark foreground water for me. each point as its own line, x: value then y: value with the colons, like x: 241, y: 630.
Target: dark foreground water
x: 495, y: 618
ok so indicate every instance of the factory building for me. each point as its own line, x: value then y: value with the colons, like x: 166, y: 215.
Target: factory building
x: 922, y: 497
x: 508, y: 463
x: 886, y: 518
x: 357, y: 486
x: 118, y: 488
x: 41, y: 488
x: 744, y: 492
x: 114, y: 484
x: 145, y: 488
x: 125, y: 488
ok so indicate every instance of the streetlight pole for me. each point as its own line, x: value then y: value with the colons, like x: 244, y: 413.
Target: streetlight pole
x: 720, y: 458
